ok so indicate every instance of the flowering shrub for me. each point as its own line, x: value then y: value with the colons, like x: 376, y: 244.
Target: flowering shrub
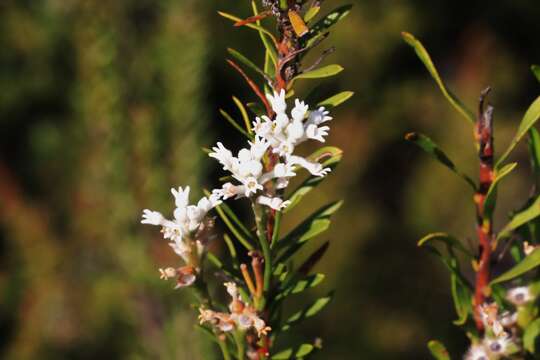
x: 248, y: 324
x: 500, y: 314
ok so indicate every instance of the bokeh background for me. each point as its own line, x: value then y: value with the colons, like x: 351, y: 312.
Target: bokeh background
x: 105, y: 105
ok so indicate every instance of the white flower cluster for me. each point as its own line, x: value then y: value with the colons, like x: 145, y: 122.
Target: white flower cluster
x: 181, y: 232
x: 499, y: 341
x: 280, y: 136
x: 242, y: 315
x: 276, y: 138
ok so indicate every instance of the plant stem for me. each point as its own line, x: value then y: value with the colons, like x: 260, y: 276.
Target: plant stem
x: 260, y: 221
x: 484, y: 224
x: 239, y: 340
x: 224, y: 349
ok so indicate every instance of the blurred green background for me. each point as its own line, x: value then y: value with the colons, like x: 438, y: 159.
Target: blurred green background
x: 104, y: 106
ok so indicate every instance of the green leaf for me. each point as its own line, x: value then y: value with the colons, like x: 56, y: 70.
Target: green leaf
x: 244, y: 116
x: 449, y: 240
x: 462, y: 299
x: 426, y: 144
x: 336, y: 100
x: 235, y: 225
x: 266, y: 40
x: 234, y: 123
x: 521, y: 218
x: 451, y: 263
x: 528, y: 263
x: 532, y: 331
x: 244, y: 60
x: 322, y: 72
x: 426, y: 59
x: 438, y: 350
x: 301, y: 285
x: 321, y: 27
x: 491, y: 197
x: 531, y: 117
x: 298, y: 353
x: 536, y: 71
x: 333, y: 156
x: 307, y: 312
x: 311, y: 13
x: 314, y: 225
x: 256, y: 108
x: 534, y: 151
x: 254, y: 26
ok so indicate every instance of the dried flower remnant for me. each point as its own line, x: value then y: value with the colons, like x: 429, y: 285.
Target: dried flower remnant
x: 241, y: 315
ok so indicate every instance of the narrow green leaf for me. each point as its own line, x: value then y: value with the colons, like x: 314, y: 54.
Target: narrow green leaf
x: 307, y: 312
x: 426, y: 144
x: 462, y: 299
x: 245, y: 116
x: 536, y: 71
x: 244, y: 240
x: 326, y: 22
x: 298, y: 353
x: 426, y: 59
x: 322, y: 72
x: 234, y: 123
x: 244, y: 60
x: 250, y: 25
x: 532, y: 331
x: 449, y: 240
x: 451, y: 263
x: 336, y: 100
x: 256, y: 108
x: 521, y: 218
x: 311, y: 13
x: 528, y: 263
x: 230, y: 246
x: 271, y: 52
x: 301, y: 285
x: 314, y: 225
x: 531, y: 117
x: 333, y: 156
x: 491, y: 197
x: 534, y: 151
x: 438, y: 350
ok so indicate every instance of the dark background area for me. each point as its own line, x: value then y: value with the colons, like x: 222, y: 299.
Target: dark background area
x: 105, y: 105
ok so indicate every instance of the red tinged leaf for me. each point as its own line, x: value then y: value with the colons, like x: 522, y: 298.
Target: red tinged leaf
x: 252, y: 19
x: 253, y: 86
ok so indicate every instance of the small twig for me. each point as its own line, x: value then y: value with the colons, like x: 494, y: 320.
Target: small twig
x: 253, y: 19
x: 317, y: 62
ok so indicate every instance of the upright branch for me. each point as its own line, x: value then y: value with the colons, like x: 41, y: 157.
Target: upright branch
x: 484, y: 138
x: 289, y: 46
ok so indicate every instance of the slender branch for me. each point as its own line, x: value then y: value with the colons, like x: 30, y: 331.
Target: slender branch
x: 484, y: 225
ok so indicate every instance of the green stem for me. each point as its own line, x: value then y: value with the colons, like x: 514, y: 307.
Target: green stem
x: 224, y: 349
x: 265, y: 247
x: 239, y: 340
x: 275, y: 234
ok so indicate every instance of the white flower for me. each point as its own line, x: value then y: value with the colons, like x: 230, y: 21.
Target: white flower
x: 498, y: 346
x: 477, y: 352
x: 299, y: 111
x: 251, y: 186
x: 313, y: 167
x: 529, y: 248
x: 319, y: 116
x: 277, y: 101
x: 223, y: 155
x: 273, y: 202
x: 152, y: 217
x: 519, y: 295
x: 317, y: 133
x: 181, y: 197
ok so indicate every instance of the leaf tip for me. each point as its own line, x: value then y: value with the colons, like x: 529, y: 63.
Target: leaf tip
x: 412, y: 136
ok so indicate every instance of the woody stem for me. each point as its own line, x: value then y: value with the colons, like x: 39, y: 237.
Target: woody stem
x: 484, y: 224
